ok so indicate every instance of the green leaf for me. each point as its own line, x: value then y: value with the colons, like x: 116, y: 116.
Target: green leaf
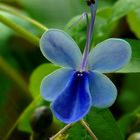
x: 106, y: 20
x: 130, y: 121
x: 125, y: 122
x: 76, y: 132
x: 43, y: 10
x: 133, y: 19
x: 103, y: 28
x: 123, y: 7
x: 129, y: 102
x: 130, y: 93
x: 102, y: 124
x: 35, y: 81
x: 134, y: 65
x: 37, y: 76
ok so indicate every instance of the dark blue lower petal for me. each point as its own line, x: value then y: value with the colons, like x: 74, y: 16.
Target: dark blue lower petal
x: 75, y: 100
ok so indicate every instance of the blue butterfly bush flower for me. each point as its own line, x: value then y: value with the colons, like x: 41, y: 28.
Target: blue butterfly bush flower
x: 81, y: 84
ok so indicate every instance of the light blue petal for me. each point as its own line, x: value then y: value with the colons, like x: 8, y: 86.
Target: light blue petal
x: 103, y: 91
x: 75, y: 100
x: 58, y: 47
x: 109, y: 55
x: 53, y: 84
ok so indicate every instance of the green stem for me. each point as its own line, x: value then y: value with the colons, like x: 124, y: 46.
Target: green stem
x: 15, y: 76
x: 25, y: 112
x: 20, y: 30
x: 18, y: 13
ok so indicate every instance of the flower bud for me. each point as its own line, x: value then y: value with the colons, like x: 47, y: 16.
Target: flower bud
x: 134, y: 136
x: 41, y: 119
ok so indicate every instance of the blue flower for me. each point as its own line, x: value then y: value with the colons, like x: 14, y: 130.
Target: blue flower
x: 81, y: 83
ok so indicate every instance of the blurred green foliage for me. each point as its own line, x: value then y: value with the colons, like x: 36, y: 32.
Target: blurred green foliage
x: 115, y: 18
x: 101, y: 122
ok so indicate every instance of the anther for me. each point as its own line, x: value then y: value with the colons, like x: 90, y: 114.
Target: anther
x: 89, y: 2
x: 79, y: 74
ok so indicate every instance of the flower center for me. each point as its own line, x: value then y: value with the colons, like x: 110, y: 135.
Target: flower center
x: 79, y: 73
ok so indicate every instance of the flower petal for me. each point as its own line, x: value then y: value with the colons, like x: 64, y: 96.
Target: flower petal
x: 53, y: 84
x: 103, y: 91
x: 109, y: 55
x: 58, y: 47
x: 75, y: 100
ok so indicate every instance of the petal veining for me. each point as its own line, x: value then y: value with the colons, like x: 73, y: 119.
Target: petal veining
x: 58, y: 47
x: 109, y: 55
x: 53, y: 84
x: 75, y: 100
x: 103, y: 91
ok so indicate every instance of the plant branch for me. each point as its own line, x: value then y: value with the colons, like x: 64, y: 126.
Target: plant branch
x: 23, y: 114
x: 18, y: 13
x: 20, y: 30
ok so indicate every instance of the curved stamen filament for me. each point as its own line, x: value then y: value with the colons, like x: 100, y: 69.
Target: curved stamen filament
x: 93, y: 8
x: 80, y: 19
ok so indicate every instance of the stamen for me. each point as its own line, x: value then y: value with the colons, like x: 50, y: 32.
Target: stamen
x: 93, y: 8
x: 80, y: 19
x: 79, y: 74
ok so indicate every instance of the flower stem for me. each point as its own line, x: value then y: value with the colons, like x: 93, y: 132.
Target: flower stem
x: 61, y: 131
x: 88, y: 130
x: 20, y: 30
x: 18, y: 13
x: 22, y: 116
